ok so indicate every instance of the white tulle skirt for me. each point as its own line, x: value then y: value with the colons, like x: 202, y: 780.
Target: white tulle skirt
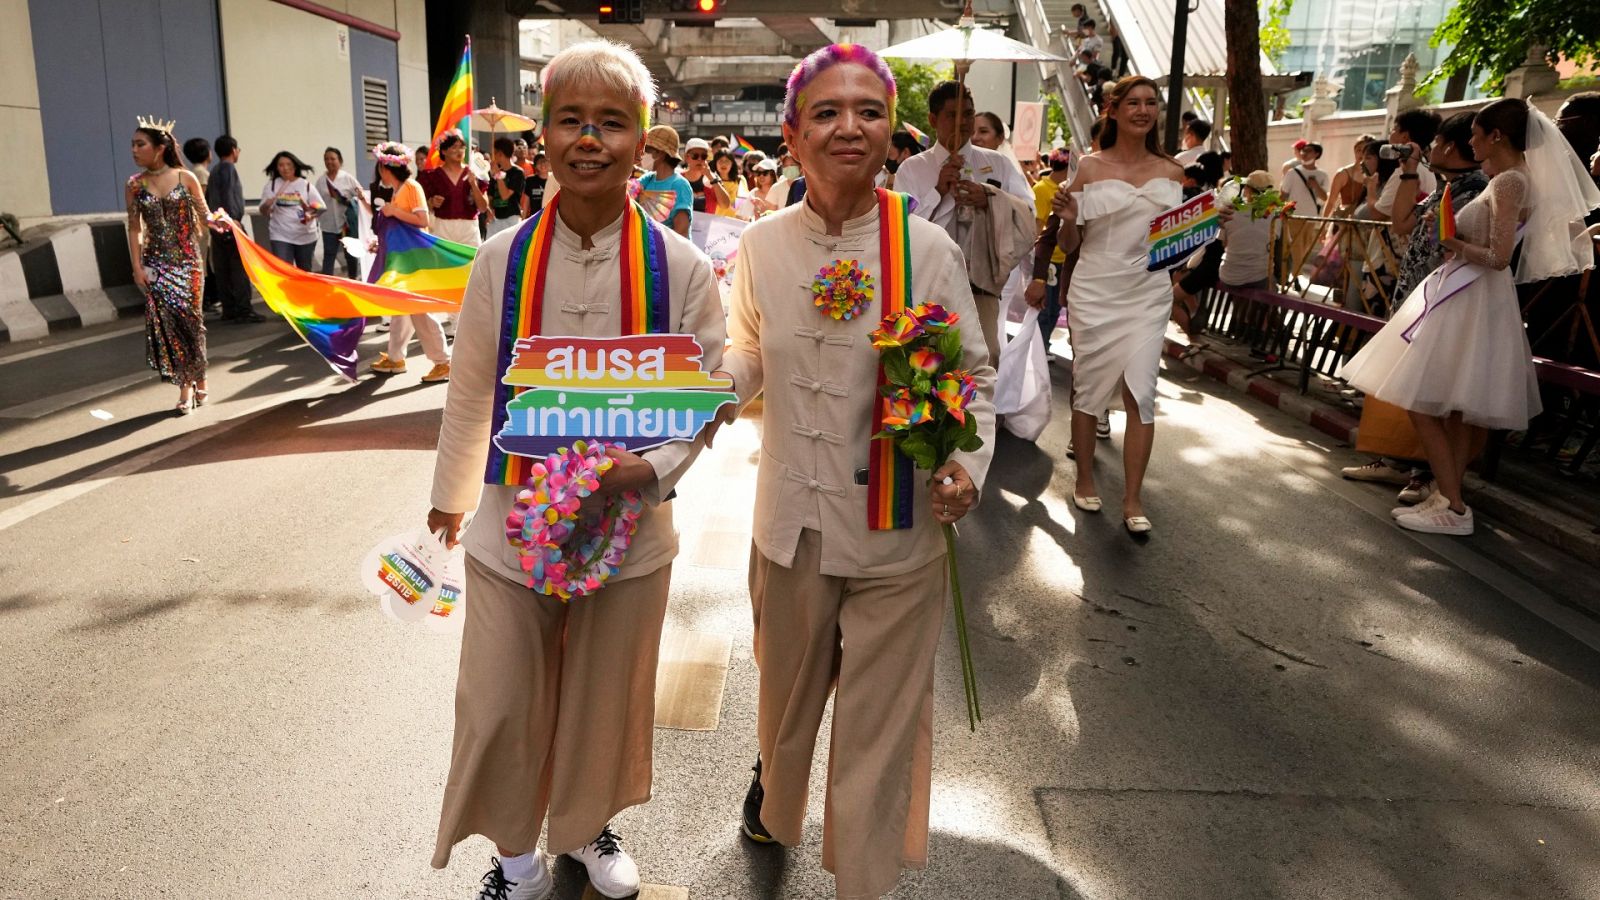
x: 1467, y: 355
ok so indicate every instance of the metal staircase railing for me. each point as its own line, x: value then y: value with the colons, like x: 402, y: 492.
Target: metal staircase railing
x: 1046, y: 23
x: 1074, y: 100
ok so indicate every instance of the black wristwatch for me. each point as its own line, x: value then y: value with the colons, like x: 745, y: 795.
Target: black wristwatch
x: 1410, y: 176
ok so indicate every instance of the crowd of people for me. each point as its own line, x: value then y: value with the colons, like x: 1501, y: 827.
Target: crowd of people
x: 554, y: 717
x: 1398, y: 184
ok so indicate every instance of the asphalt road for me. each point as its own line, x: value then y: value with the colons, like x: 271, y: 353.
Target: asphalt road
x: 1280, y: 695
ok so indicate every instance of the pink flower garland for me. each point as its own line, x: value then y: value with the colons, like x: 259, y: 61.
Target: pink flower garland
x: 544, y: 522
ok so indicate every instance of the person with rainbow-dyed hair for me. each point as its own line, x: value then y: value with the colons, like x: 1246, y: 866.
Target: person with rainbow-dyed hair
x: 847, y: 575
x: 555, y: 701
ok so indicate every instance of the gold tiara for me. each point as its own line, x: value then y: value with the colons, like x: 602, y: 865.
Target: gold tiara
x: 157, y: 124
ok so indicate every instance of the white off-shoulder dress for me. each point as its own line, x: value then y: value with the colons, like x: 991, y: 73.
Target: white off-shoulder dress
x: 1118, y: 311
x: 1457, y: 344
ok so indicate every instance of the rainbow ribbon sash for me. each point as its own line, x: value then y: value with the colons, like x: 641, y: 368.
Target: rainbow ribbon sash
x: 646, y: 307
x: 890, y: 473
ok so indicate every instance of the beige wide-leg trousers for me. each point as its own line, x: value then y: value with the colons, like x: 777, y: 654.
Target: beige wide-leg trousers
x: 872, y: 641
x: 555, y: 711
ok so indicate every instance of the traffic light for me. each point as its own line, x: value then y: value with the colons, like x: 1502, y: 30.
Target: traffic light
x: 698, y: 8
x: 622, y: 12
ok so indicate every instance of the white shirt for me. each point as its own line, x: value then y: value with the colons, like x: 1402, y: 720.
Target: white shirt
x: 1299, y: 190
x: 1190, y: 156
x: 1426, y: 182
x: 1246, y: 256
x: 332, y: 219
x: 919, y: 177
x: 284, y: 221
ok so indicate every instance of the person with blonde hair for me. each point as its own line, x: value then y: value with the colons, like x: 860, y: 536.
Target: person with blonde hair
x: 1117, y: 311
x: 555, y: 702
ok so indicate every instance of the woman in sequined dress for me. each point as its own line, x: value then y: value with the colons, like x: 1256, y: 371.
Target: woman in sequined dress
x: 166, y: 221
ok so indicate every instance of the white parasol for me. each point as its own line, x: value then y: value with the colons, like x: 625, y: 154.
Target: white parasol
x: 964, y: 44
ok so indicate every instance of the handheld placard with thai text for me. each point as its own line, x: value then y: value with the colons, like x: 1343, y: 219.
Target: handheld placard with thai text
x: 639, y: 392
x: 1181, y: 230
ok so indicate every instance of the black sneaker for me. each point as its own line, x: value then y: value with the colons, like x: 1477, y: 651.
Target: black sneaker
x: 751, y: 826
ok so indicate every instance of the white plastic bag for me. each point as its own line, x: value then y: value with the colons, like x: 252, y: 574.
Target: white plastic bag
x: 1022, y: 383
x: 417, y: 580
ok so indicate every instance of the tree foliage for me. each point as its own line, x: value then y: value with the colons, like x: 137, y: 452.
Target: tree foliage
x: 1275, y: 37
x: 913, y: 82
x: 1492, y: 37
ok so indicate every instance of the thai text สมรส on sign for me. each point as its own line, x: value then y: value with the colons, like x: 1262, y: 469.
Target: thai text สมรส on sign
x: 1181, y: 230
x: 640, y: 391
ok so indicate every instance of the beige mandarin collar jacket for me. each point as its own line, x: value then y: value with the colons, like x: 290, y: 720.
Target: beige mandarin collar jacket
x: 819, y: 377
x: 582, y: 299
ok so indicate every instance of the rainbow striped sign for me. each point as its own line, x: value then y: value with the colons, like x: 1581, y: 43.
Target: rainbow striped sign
x: 639, y: 391
x: 1181, y: 230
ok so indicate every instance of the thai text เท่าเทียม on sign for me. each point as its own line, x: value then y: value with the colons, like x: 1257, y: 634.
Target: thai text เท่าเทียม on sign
x: 638, y: 392
x: 1181, y: 230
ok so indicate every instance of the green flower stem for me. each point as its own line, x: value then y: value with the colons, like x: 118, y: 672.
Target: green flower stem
x: 969, y: 679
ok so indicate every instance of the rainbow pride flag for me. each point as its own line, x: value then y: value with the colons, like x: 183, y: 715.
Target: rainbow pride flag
x: 327, y: 312
x: 410, y: 259
x: 741, y: 146
x: 456, y: 113
x: 1447, y: 215
x: 915, y: 132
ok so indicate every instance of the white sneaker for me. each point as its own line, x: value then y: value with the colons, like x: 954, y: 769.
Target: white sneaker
x: 1377, y: 470
x: 1102, y: 426
x: 1442, y: 520
x: 496, y: 886
x: 611, y: 870
x: 1417, y: 490
x: 1433, y: 501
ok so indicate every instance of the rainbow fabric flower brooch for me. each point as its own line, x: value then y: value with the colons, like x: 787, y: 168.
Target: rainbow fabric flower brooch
x: 842, y: 290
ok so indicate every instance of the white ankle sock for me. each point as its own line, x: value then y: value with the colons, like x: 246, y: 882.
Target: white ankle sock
x: 522, y: 868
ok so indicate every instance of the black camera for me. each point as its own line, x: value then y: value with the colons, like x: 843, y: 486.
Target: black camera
x: 1394, y: 151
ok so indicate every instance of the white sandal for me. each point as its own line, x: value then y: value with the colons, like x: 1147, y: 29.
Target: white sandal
x: 1138, y: 525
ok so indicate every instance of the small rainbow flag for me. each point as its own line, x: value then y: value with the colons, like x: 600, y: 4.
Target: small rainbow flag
x: 327, y: 312
x: 456, y: 113
x: 915, y: 132
x: 1447, y: 215
x: 410, y: 259
x: 741, y: 146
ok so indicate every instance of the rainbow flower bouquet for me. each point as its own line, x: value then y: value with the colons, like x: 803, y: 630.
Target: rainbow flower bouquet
x: 927, y: 396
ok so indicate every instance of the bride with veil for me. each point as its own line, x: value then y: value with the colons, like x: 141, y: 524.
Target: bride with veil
x: 1456, y: 355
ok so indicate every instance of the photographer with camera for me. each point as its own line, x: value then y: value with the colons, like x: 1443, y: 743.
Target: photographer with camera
x: 1409, y: 140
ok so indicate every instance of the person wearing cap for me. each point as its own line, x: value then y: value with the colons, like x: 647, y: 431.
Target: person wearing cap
x: 845, y: 603
x: 1294, y: 160
x: 763, y: 180
x: 719, y: 143
x: 555, y: 701
x: 661, y: 176
x: 709, y: 197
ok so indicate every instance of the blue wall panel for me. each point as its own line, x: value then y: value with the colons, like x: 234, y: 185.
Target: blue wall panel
x: 80, y: 152
x: 102, y: 63
x: 373, y: 57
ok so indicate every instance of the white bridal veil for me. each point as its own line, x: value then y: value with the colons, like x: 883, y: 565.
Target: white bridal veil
x: 1562, y: 193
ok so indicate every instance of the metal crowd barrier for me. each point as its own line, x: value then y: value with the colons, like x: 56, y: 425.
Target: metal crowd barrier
x: 1307, y: 334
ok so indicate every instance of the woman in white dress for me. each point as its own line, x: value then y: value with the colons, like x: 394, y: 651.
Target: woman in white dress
x: 1116, y: 310
x: 1456, y: 355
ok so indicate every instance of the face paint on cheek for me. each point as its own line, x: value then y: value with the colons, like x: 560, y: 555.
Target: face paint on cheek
x: 589, y: 137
